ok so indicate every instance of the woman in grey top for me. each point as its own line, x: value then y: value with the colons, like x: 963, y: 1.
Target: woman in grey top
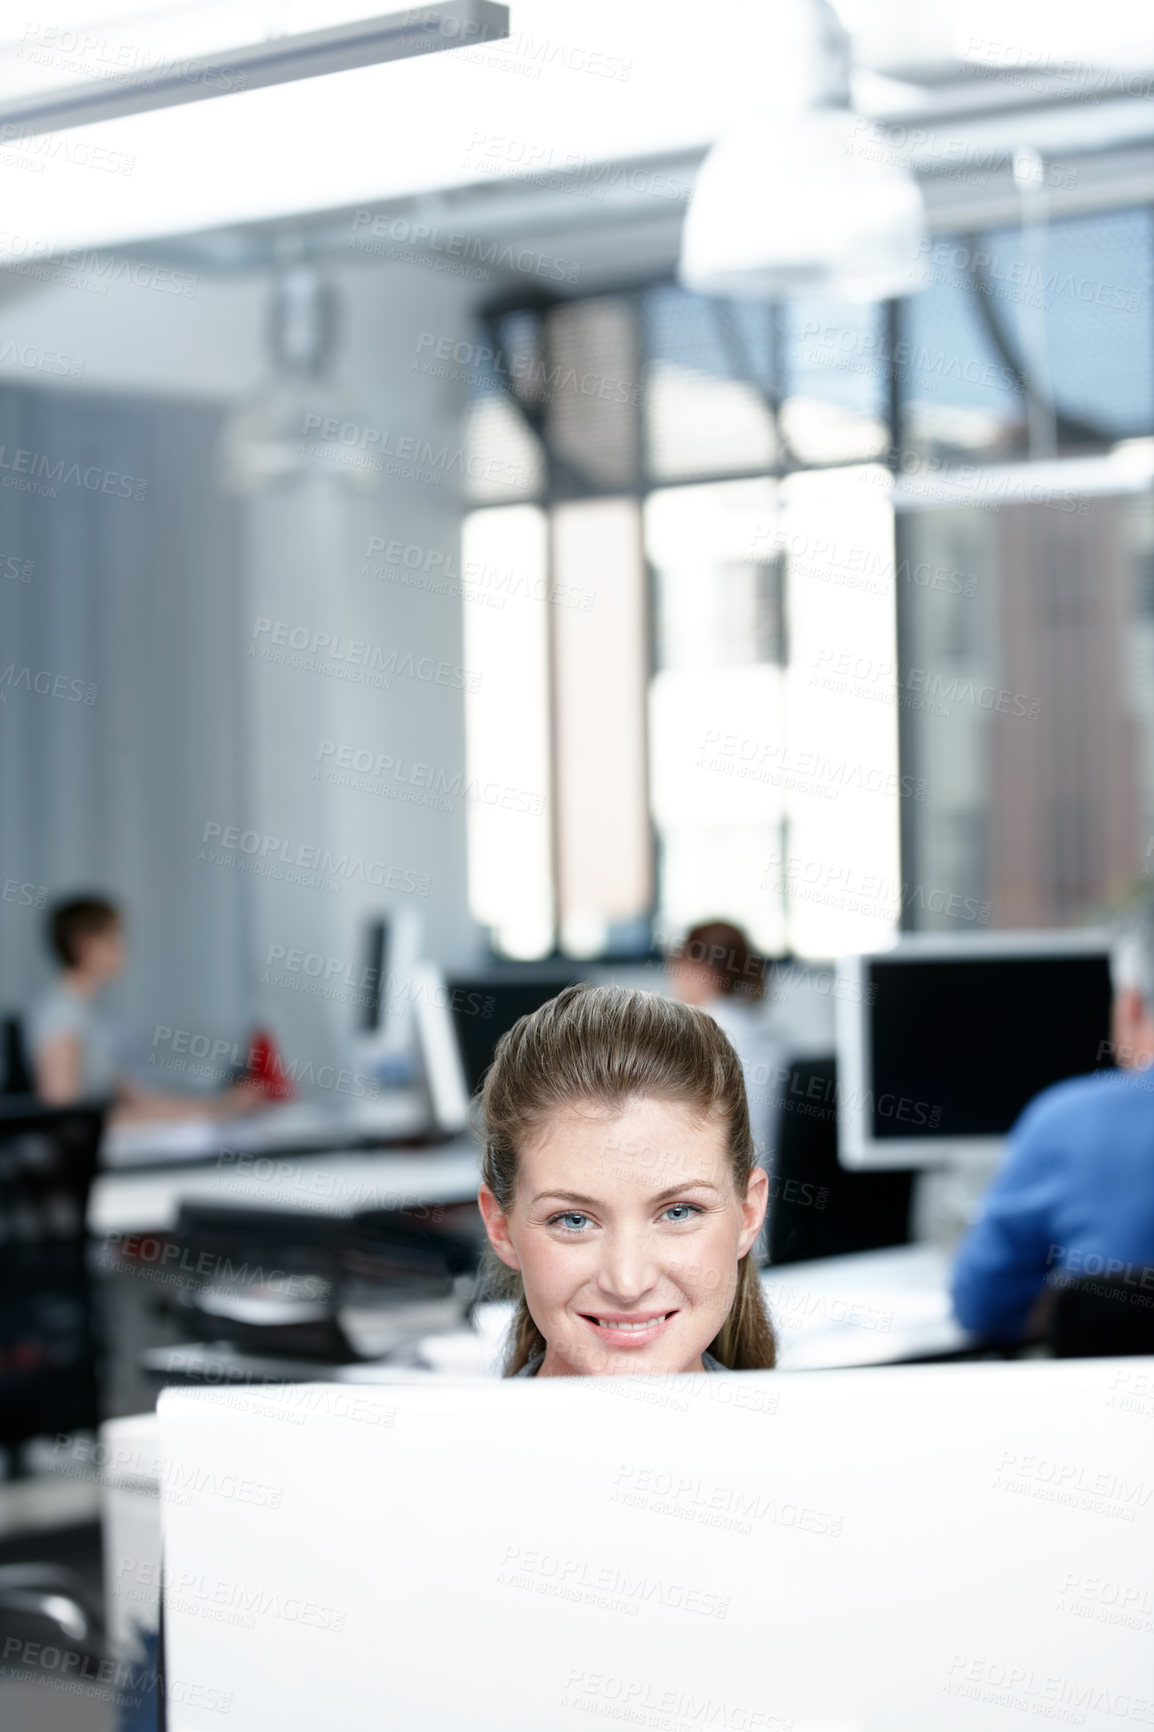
x: 74, y: 1047
x: 620, y: 1191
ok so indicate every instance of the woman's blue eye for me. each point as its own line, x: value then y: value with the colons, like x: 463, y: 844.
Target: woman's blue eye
x: 576, y: 1221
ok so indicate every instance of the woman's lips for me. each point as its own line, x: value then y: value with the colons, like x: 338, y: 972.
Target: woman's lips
x: 621, y: 1329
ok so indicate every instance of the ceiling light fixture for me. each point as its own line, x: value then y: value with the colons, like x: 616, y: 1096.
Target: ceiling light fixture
x: 279, y: 60
x: 805, y: 197
x: 300, y: 426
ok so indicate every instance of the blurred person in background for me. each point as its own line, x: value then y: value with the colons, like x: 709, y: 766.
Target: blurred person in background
x: 715, y: 968
x: 75, y: 1046
x: 1076, y: 1189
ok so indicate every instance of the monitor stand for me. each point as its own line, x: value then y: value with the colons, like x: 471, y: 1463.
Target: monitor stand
x: 947, y: 1198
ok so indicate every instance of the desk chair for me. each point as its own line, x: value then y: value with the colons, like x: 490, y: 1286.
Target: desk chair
x: 1099, y: 1317
x: 273, y: 1282
x: 817, y: 1208
x: 14, y: 1067
x: 49, y: 1346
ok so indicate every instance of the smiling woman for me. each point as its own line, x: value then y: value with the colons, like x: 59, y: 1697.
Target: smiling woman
x: 620, y: 1194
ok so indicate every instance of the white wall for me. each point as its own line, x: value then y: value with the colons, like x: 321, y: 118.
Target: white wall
x: 311, y: 568
x: 304, y: 565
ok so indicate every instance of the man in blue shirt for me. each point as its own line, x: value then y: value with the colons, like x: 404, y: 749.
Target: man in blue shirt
x: 1076, y: 1190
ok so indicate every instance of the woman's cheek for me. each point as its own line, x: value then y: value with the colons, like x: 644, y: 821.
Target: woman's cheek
x: 706, y: 1282
x: 553, y: 1269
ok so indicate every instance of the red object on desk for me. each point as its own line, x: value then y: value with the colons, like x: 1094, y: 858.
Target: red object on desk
x: 266, y: 1068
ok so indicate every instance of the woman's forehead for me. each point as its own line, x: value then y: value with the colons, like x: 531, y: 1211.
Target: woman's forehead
x: 645, y: 1137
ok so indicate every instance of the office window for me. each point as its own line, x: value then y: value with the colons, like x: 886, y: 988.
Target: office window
x: 1070, y: 307
x: 760, y: 810
x: 805, y: 693
x: 504, y: 572
x: 835, y: 407
x: 1039, y: 745
x: 840, y: 879
x: 604, y: 864
x: 705, y: 410
x: 1027, y: 665
x: 590, y: 395
x: 695, y: 464
x: 506, y: 455
x: 717, y: 702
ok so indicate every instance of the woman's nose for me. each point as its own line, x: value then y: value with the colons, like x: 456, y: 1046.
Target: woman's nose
x: 628, y: 1269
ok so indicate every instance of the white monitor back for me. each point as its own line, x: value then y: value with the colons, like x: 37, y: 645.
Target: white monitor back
x: 388, y: 982
x: 947, y: 1547
x: 442, y: 1067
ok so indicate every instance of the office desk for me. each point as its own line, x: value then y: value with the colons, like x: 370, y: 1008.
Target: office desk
x: 290, y: 1127
x: 137, y: 1286
x: 873, y: 1308
x: 886, y: 1307
x: 336, y: 1182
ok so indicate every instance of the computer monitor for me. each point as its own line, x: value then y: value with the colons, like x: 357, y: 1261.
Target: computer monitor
x: 444, y: 1072
x: 486, y: 1007
x: 791, y: 1552
x: 943, y: 1041
x: 392, y: 947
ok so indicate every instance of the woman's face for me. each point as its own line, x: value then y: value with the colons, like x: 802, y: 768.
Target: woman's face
x: 101, y: 954
x: 627, y: 1229
x: 693, y: 982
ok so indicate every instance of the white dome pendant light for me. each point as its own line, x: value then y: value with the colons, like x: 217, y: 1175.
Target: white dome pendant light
x: 803, y: 198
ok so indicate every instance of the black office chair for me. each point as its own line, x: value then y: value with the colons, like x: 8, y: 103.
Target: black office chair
x: 272, y: 1282
x: 817, y: 1208
x: 1096, y: 1317
x: 14, y: 1066
x: 49, y: 1342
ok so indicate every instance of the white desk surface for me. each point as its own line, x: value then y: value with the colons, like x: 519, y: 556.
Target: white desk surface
x: 872, y: 1308
x: 342, y: 1184
x: 278, y: 1128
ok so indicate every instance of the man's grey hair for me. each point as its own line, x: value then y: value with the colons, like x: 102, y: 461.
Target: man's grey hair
x: 1132, y: 951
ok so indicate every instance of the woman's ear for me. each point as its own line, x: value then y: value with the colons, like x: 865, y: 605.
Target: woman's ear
x: 753, y: 1209
x: 497, y: 1227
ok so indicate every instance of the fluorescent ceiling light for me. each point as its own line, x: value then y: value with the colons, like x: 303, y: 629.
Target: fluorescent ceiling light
x: 1047, y: 38
x: 1053, y: 35
x: 1060, y: 482
x: 572, y: 87
x: 137, y: 79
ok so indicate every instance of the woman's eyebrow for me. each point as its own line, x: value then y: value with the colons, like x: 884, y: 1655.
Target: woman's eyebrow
x: 592, y: 1202
x: 564, y: 1197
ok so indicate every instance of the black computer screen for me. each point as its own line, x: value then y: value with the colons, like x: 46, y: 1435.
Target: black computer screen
x: 374, y: 975
x: 484, y: 1008
x: 961, y: 1045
